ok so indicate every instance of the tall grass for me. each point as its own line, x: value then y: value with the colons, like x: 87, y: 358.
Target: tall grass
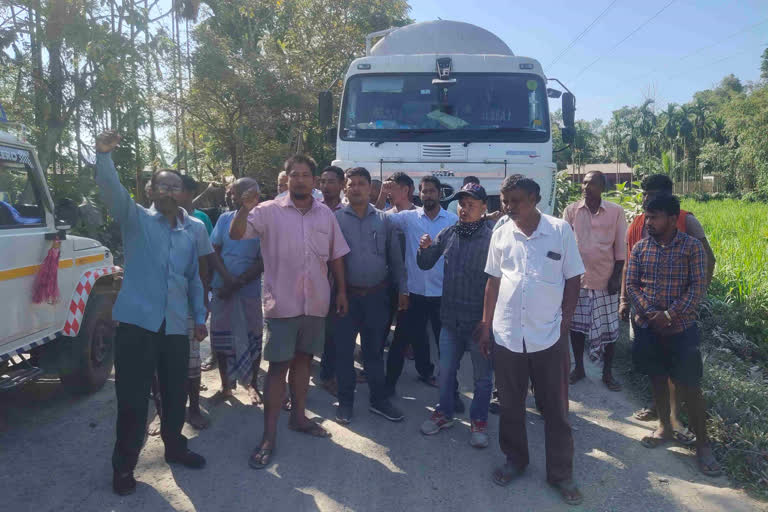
x: 738, y: 233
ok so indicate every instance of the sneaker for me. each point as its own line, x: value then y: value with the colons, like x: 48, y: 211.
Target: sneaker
x: 436, y: 423
x: 458, y: 405
x: 123, y: 483
x: 479, y: 436
x: 187, y: 458
x: 386, y: 409
x: 344, y: 414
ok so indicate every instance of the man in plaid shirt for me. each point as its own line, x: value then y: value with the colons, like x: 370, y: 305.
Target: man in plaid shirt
x: 666, y: 280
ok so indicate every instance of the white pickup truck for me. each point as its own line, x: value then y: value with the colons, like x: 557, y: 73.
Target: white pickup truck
x: 74, y: 336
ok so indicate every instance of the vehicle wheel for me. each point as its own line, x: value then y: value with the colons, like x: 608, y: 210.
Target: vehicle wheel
x: 93, y: 349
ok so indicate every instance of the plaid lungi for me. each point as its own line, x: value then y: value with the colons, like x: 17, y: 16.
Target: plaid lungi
x: 194, y: 351
x: 237, y: 324
x: 597, y: 316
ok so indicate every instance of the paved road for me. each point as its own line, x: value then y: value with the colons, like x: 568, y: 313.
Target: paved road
x: 54, y: 456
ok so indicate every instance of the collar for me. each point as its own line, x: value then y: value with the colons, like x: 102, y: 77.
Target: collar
x: 422, y: 213
x: 183, y: 217
x: 582, y: 203
x: 349, y: 211
x: 543, y: 229
x: 287, y: 202
x: 675, y: 240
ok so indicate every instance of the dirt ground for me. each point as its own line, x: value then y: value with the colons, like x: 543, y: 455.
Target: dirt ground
x: 55, y: 456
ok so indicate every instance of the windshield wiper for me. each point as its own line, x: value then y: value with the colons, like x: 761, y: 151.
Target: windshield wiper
x: 378, y: 143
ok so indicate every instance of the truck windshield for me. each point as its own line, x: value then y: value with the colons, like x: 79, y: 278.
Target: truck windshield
x: 477, y: 107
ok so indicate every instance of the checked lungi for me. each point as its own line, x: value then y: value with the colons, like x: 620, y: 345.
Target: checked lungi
x: 237, y: 323
x: 597, y: 316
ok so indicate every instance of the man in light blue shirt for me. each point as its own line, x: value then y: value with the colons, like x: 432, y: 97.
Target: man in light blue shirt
x: 160, y: 286
x: 425, y: 287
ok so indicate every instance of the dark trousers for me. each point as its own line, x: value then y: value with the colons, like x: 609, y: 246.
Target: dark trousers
x: 368, y: 314
x: 138, y: 354
x: 328, y: 362
x: 414, y: 321
x: 550, y: 369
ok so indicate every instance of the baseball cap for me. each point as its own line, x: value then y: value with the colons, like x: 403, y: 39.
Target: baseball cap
x: 472, y: 190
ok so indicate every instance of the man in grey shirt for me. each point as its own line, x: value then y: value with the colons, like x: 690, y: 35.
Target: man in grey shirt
x: 375, y: 256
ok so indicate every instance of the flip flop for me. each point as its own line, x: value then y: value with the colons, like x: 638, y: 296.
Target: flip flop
x: 257, y: 458
x: 653, y: 441
x: 685, y: 437
x: 311, y: 429
x: 612, y: 384
x: 646, y: 414
x: 708, y: 465
x: 504, y: 475
x: 568, y: 491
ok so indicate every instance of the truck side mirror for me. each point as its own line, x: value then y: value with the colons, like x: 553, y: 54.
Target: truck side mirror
x: 569, y: 110
x: 330, y: 136
x: 325, y: 108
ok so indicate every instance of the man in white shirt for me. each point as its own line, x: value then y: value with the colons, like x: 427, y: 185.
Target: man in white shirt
x: 535, y: 268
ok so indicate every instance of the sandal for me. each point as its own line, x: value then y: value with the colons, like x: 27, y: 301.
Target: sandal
x: 312, y: 428
x: 653, y: 441
x: 708, y: 465
x: 260, y: 458
x: 568, y: 491
x: 503, y: 475
x: 612, y: 384
x: 646, y: 414
x: 684, y: 437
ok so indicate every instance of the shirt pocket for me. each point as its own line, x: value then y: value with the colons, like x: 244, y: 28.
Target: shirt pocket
x: 378, y: 241
x: 548, y: 265
x: 319, y: 241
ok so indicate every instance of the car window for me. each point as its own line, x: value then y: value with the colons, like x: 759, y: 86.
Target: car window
x: 20, y: 200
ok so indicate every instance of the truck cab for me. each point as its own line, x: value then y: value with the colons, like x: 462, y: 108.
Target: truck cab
x: 447, y: 99
x: 71, y: 335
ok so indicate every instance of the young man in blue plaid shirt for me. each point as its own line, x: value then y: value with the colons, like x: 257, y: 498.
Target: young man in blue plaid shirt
x: 465, y: 247
x: 666, y: 280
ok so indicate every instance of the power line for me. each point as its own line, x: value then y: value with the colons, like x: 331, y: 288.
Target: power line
x: 582, y: 34
x: 620, y: 42
x: 710, y: 64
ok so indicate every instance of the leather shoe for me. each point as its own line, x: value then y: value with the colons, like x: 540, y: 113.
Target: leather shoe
x: 123, y: 483
x: 187, y: 458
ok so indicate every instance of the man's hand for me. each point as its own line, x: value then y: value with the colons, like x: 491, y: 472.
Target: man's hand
x: 403, y: 301
x: 482, y: 336
x: 386, y: 189
x: 107, y: 141
x: 614, y: 284
x: 342, y: 304
x: 425, y: 241
x: 624, y: 311
x: 200, y: 332
x: 658, y: 321
x: 250, y: 198
x: 494, y: 216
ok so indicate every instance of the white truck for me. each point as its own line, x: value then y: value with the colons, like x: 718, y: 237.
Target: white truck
x: 74, y: 336
x: 447, y: 99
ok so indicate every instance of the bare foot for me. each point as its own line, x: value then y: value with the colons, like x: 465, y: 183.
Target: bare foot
x: 576, y: 376
x: 255, y: 396
x: 154, y: 428
x: 198, y: 419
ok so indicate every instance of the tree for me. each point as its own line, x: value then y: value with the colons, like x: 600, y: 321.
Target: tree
x: 764, y: 65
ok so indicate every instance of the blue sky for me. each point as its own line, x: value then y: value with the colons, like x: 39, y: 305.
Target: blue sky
x: 660, y: 60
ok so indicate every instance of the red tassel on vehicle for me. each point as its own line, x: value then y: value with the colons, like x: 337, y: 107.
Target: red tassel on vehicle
x: 46, y: 288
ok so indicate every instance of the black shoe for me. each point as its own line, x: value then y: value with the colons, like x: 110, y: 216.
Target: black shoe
x: 188, y: 459
x: 389, y: 392
x: 123, y: 483
x: 344, y: 414
x: 458, y: 405
x: 493, y: 407
x: 386, y: 409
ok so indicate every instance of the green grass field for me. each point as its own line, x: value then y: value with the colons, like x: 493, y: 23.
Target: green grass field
x: 738, y: 233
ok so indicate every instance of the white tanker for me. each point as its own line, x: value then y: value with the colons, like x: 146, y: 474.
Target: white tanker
x: 448, y: 99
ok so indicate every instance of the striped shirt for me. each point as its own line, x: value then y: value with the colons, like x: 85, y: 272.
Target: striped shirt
x: 464, y: 275
x: 671, y: 278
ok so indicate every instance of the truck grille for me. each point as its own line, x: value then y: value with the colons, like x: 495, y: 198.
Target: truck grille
x: 443, y: 152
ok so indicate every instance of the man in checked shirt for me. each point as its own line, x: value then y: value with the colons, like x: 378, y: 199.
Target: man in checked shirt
x: 666, y: 280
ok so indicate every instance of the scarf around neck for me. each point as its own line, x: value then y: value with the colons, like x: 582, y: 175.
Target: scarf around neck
x: 467, y: 229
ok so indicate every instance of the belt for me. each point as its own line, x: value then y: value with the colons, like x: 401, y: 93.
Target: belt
x: 365, y: 290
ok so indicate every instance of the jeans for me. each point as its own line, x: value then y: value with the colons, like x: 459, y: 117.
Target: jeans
x: 138, y: 353
x: 421, y: 310
x: 454, y: 341
x: 367, y: 316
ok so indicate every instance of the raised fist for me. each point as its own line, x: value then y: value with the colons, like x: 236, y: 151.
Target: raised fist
x: 107, y: 141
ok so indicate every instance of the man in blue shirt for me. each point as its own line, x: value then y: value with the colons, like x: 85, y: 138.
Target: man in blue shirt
x: 160, y: 285
x: 425, y: 287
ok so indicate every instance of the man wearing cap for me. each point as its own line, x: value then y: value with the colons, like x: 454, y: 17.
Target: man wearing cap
x: 465, y: 248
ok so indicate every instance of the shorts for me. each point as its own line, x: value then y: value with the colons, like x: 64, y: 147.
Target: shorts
x: 283, y: 337
x: 676, y: 356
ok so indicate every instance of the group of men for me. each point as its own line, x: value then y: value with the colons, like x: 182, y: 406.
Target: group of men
x: 332, y: 258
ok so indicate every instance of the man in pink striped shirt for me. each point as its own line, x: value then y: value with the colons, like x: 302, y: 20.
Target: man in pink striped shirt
x: 300, y: 241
